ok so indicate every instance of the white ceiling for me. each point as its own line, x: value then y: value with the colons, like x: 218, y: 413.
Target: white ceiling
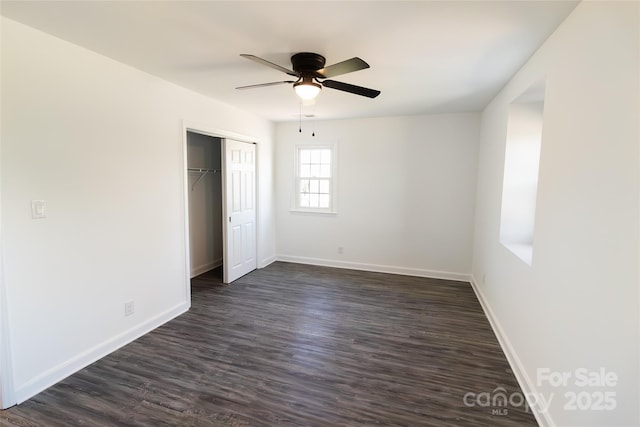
x: 425, y: 56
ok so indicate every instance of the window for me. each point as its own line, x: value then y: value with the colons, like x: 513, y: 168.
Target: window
x: 315, y: 178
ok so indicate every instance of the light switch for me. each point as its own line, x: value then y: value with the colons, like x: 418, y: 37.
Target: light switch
x: 38, y: 209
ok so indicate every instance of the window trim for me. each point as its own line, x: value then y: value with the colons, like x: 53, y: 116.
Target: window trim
x: 333, y: 189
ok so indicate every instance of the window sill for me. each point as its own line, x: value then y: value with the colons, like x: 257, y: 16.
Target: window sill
x: 302, y: 211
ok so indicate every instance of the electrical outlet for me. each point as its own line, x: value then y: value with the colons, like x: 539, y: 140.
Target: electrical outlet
x: 129, y: 308
x: 340, y: 250
x: 38, y: 209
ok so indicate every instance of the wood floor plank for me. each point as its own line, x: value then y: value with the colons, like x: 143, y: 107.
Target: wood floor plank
x: 297, y: 345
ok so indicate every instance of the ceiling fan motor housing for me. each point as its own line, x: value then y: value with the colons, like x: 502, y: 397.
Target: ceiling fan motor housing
x: 307, y: 62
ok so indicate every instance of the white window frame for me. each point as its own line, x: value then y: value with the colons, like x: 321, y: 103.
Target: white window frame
x: 333, y: 180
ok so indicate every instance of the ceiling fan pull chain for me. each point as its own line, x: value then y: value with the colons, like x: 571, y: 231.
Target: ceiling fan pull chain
x: 300, y: 118
x: 314, y: 121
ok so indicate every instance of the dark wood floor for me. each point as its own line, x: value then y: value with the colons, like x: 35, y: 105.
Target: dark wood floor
x: 294, y: 345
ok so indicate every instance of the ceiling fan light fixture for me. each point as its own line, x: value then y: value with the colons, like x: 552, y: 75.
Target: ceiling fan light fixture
x: 307, y: 89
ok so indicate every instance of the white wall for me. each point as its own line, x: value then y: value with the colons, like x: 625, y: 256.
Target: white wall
x: 406, y: 189
x: 102, y: 144
x: 577, y: 305
x: 205, y: 203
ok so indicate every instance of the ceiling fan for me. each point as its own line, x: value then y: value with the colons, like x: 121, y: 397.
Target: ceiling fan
x: 311, y: 72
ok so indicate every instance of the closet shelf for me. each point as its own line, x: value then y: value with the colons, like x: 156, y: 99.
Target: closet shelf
x: 204, y: 172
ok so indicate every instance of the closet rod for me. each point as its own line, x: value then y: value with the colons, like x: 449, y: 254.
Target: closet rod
x: 204, y: 173
x: 203, y: 170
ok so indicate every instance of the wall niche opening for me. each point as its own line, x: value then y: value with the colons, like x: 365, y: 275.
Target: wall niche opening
x: 521, y: 168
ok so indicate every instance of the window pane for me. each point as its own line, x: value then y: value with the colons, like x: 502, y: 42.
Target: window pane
x: 325, y: 156
x: 305, y: 156
x: 315, y: 156
x: 324, y: 187
x: 305, y: 171
x: 313, y: 200
x: 304, y: 200
x: 314, y: 186
x: 325, y: 171
x: 324, y: 201
x: 315, y: 170
x: 304, y: 185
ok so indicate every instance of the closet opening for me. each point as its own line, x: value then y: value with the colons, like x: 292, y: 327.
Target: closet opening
x: 220, y: 199
x: 205, y: 198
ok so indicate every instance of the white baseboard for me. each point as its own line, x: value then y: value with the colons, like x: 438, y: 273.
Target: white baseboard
x: 196, y: 271
x: 266, y: 261
x: 524, y: 380
x: 378, y: 268
x: 73, y: 365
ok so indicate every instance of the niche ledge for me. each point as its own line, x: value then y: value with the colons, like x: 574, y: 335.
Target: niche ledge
x: 524, y: 251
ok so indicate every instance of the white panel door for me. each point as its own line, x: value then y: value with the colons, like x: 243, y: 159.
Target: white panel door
x: 239, y: 209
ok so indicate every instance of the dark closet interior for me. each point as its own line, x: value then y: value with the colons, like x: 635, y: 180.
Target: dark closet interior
x: 205, y: 202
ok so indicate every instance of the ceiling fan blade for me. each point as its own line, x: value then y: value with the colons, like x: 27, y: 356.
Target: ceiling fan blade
x: 266, y: 84
x: 269, y: 64
x: 344, y: 67
x: 346, y: 87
